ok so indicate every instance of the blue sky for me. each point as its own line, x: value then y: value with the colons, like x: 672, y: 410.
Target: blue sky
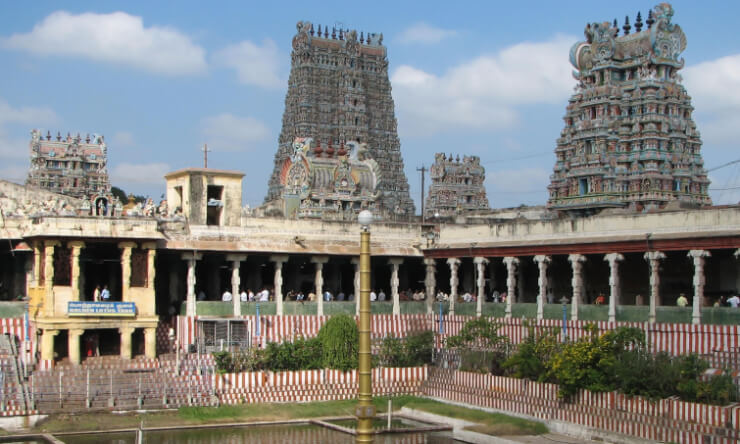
x: 160, y: 79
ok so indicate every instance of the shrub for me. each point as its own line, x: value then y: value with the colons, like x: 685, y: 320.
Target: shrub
x: 339, y: 342
x: 416, y: 349
x: 532, y: 355
x: 481, y: 347
x: 240, y: 361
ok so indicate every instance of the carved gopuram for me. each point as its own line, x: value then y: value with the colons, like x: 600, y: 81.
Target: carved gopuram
x: 457, y: 186
x: 629, y: 138
x: 69, y: 165
x: 339, y: 95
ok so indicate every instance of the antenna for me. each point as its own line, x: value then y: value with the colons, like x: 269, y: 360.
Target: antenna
x: 205, y: 155
x: 423, y: 170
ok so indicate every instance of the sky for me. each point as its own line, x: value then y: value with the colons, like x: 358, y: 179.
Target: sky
x: 161, y: 79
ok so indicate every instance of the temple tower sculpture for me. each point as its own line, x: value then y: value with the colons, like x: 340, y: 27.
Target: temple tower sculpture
x: 69, y: 165
x: 339, y: 95
x: 457, y: 186
x: 629, y: 138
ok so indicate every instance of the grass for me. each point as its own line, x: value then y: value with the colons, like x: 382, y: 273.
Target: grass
x: 490, y: 423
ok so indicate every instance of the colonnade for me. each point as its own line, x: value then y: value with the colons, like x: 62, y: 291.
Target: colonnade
x: 49, y: 308
x: 513, y: 277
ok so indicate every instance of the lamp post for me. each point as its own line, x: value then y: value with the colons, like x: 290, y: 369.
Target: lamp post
x: 365, y: 410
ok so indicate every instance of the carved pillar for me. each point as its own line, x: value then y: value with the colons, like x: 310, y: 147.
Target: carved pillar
x: 49, y: 277
x: 38, y: 254
x: 73, y: 345
x: 236, y: 260
x: 576, y: 261
x: 511, y: 266
x: 75, y: 281
x: 356, y: 290
x: 151, y: 272
x: 395, y: 263
x: 454, y: 264
x: 279, y: 260
x: 699, y: 281
x: 191, y: 258
x: 480, y: 263
x: 430, y: 282
x: 47, y: 344
x: 614, y: 284
x: 654, y: 258
x: 319, y: 281
x: 126, y: 333
x: 150, y: 342
x: 125, y: 269
x: 520, y: 282
x: 542, y: 262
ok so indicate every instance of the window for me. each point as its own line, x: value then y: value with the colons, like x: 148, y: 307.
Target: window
x: 582, y: 186
x: 214, y: 204
x: 139, y: 267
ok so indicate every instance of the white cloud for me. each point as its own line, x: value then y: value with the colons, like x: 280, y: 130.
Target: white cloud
x: 484, y: 92
x: 114, y: 38
x: 26, y: 115
x: 425, y: 34
x: 227, y: 132
x: 254, y: 64
x: 124, y: 174
x: 715, y: 90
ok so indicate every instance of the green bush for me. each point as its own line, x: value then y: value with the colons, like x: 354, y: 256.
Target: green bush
x: 481, y: 347
x: 339, y: 338
x: 240, y: 361
x: 416, y: 349
x: 532, y: 355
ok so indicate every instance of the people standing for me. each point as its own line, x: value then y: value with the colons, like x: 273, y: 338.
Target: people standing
x: 105, y: 294
x: 227, y: 296
x: 734, y: 301
x: 96, y: 293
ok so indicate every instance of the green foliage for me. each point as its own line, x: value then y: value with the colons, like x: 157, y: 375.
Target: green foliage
x: 416, y: 349
x: 482, y: 349
x: 339, y: 339
x: 240, y: 361
x: 532, y: 355
x: 590, y: 363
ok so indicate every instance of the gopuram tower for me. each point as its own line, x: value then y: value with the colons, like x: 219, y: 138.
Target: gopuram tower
x: 629, y: 139
x: 338, y: 151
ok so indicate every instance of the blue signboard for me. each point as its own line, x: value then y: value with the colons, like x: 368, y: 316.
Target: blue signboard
x: 89, y: 308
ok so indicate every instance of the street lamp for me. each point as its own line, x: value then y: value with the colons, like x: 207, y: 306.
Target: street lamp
x: 365, y: 410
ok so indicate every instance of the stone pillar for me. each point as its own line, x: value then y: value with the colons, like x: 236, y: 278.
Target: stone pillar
x: 47, y: 344
x: 576, y: 261
x: 191, y: 258
x: 699, y: 281
x: 73, y: 345
x: 454, y: 264
x: 430, y: 282
x: 151, y: 272
x: 150, y: 342
x: 38, y: 254
x: 356, y: 290
x: 236, y: 260
x: 542, y: 262
x: 75, y: 281
x: 126, y: 248
x: 319, y: 282
x: 126, y: 333
x: 395, y: 263
x: 49, y: 278
x: 480, y: 263
x: 737, y: 271
x: 511, y: 266
x: 278, y: 260
x: 614, y: 285
x: 654, y: 258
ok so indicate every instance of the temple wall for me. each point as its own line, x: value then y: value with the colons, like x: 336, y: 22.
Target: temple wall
x: 679, y: 224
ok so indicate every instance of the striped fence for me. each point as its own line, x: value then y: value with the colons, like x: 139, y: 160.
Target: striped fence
x: 667, y: 420
x: 313, y: 385
x: 675, y: 339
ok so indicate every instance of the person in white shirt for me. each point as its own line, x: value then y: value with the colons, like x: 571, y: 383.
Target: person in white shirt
x: 227, y: 296
x: 243, y: 297
x: 264, y: 295
x: 381, y: 295
x: 734, y: 301
x: 373, y: 296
